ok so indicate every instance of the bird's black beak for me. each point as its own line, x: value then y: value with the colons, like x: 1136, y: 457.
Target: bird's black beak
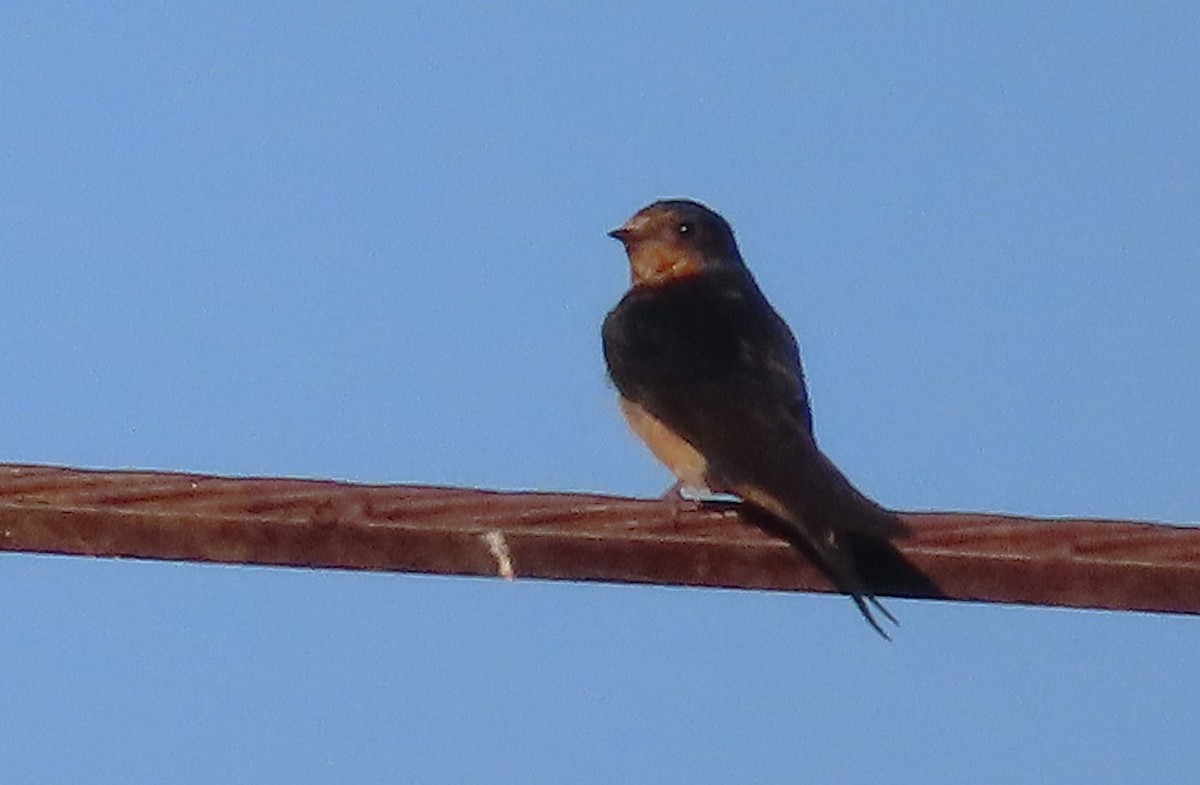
x: 620, y: 233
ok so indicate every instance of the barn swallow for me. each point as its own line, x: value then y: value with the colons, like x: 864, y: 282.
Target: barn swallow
x: 709, y: 377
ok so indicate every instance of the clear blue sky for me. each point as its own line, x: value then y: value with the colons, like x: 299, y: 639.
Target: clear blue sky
x: 368, y: 243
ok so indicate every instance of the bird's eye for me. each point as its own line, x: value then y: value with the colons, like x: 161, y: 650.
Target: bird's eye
x: 685, y: 228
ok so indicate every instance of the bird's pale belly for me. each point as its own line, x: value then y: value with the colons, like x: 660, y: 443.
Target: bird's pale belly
x: 684, y: 461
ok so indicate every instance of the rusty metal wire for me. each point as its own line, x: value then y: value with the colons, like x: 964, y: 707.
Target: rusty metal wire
x: 1119, y: 565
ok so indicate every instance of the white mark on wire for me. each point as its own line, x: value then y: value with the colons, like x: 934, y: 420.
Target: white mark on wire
x: 499, y: 549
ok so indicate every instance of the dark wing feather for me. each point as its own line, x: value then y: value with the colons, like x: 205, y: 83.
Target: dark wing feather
x: 711, y: 359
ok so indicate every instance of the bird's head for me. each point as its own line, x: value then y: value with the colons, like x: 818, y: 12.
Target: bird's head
x: 676, y: 238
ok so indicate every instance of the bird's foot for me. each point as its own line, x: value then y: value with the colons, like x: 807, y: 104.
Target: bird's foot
x: 674, y: 499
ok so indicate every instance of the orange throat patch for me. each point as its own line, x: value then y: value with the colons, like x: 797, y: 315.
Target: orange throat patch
x: 654, y: 263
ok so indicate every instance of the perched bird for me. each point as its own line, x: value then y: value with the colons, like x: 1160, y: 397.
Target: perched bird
x: 710, y: 379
